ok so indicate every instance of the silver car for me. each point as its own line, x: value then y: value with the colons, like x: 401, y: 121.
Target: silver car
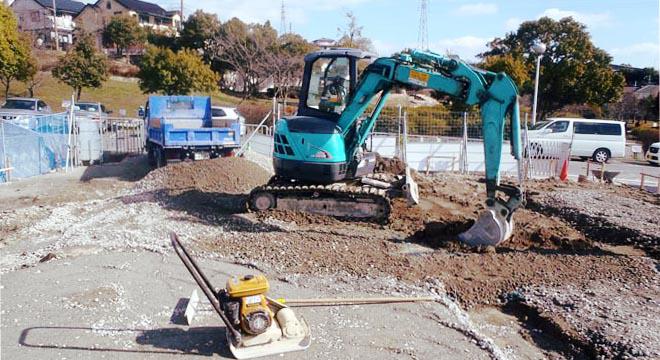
x: 18, y: 107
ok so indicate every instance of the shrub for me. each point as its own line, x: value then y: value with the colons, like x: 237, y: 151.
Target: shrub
x: 123, y: 69
x: 253, y: 112
x: 645, y: 135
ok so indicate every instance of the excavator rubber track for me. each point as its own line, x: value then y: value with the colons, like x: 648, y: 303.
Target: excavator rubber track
x: 346, y: 200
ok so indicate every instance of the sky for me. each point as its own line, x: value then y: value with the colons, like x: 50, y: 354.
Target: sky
x: 627, y: 29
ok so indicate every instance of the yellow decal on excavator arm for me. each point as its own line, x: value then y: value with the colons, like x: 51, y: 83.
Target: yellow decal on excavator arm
x: 418, y: 78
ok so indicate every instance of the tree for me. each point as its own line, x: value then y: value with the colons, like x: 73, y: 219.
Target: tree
x: 244, y: 49
x: 82, y: 66
x: 285, y: 63
x: 507, y: 63
x: 122, y: 32
x: 573, y: 70
x: 164, y: 71
x: 199, y: 29
x: 639, y: 77
x: 16, y: 60
x: 351, y: 36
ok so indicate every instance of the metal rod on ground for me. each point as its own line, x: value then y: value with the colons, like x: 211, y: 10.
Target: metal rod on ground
x: 245, y: 144
x: 355, y: 301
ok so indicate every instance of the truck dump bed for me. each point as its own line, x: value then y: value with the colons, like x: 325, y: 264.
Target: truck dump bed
x: 185, y: 121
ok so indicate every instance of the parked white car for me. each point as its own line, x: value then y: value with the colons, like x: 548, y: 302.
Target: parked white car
x: 225, y: 116
x: 598, y: 139
x: 653, y: 154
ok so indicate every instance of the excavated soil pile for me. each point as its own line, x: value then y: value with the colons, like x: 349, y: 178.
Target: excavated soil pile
x: 390, y: 165
x: 451, y: 203
x: 202, y: 188
x: 223, y: 175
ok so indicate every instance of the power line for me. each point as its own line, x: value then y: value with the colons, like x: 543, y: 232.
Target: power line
x: 423, y: 33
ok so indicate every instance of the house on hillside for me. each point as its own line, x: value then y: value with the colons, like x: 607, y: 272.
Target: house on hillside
x: 646, y: 91
x: 36, y: 17
x: 94, y: 17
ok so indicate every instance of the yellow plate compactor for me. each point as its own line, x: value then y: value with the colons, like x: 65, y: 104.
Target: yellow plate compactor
x: 256, y: 324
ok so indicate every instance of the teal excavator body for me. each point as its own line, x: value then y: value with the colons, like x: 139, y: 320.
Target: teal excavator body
x: 324, y: 142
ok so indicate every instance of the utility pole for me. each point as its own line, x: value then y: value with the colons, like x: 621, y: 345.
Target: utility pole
x: 423, y: 33
x: 181, y: 22
x: 57, y: 37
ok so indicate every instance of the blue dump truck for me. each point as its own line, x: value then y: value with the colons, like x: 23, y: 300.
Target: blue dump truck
x: 181, y: 127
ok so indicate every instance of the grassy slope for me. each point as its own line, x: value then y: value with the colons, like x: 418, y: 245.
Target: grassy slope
x: 115, y: 94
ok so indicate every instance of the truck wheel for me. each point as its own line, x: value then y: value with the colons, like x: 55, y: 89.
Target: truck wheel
x: 601, y: 155
x: 151, y: 157
x: 262, y: 201
x: 160, y: 158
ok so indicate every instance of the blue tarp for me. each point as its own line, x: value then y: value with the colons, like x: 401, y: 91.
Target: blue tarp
x: 33, y: 146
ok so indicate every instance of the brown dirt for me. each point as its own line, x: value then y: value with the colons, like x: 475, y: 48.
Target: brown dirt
x: 421, y: 242
x: 390, y: 165
x: 418, y: 243
x: 223, y: 175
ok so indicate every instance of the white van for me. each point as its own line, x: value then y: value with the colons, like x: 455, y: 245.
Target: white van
x: 594, y: 138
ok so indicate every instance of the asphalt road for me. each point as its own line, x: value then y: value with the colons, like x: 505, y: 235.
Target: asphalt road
x: 630, y: 171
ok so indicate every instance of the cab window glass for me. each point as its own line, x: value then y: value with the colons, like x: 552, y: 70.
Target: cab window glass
x: 41, y: 106
x: 558, y: 126
x: 329, y: 84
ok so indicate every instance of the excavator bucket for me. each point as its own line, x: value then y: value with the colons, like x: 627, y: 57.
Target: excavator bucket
x: 491, y: 228
x: 411, y: 189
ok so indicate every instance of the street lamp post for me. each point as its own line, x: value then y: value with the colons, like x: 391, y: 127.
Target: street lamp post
x: 538, y: 48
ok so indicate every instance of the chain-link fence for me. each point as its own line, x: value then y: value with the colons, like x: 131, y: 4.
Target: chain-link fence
x: 33, y: 146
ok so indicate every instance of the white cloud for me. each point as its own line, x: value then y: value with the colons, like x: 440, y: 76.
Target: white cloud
x: 639, y: 54
x: 592, y: 20
x: 512, y: 24
x: 477, y: 9
x: 384, y: 48
x: 467, y: 47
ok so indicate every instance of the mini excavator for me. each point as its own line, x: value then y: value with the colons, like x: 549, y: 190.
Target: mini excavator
x: 320, y: 158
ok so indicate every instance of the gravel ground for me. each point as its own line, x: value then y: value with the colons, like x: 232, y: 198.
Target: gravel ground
x: 613, y: 214
x: 116, y: 222
x: 616, y: 324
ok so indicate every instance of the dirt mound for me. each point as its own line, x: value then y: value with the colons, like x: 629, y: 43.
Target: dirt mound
x: 450, y: 205
x: 390, y: 165
x: 223, y: 175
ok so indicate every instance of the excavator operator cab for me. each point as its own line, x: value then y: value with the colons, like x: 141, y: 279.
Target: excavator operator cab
x: 329, y: 80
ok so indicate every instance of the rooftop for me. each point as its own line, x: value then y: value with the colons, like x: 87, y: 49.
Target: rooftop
x: 69, y: 6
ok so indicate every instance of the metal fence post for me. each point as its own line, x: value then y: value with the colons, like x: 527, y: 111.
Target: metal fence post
x: 4, y: 146
x: 464, y: 155
x: 404, y: 153
x: 526, y: 156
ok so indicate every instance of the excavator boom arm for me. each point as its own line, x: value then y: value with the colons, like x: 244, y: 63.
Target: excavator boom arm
x: 495, y: 93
